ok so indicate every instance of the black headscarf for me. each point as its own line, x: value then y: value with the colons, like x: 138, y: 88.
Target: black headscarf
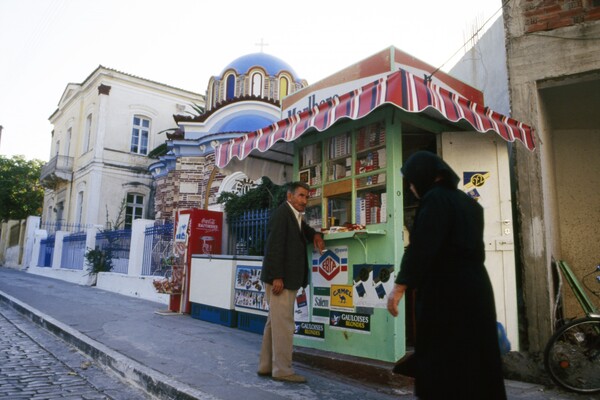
x: 422, y: 168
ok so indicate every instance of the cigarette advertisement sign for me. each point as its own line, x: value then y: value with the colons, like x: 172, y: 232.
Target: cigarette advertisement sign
x: 312, y: 330
x: 350, y: 321
x: 341, y: 297
x: 474, y: 182
x: 372, y: 283
x: 301, y: 305
x: 321, y: 301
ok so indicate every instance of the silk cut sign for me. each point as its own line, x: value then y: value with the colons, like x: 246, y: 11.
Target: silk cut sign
x: 331, y: 267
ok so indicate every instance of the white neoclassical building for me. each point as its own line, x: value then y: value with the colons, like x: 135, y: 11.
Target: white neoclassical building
x: 105, y: 128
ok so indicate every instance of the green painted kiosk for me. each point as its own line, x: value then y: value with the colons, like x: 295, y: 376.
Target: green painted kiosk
x: 349, y: 149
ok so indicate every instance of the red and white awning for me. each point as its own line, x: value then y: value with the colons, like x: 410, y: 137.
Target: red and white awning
x: 401, y: 89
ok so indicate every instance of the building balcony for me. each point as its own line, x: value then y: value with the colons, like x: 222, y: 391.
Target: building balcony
x: 59, y: 168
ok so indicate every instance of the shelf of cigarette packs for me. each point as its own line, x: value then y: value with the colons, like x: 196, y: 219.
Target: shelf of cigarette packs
x: 370, y: 148
x: 371, y: 199
x: 313, y: 213
x: 310, y: 164
x: 339, y: 161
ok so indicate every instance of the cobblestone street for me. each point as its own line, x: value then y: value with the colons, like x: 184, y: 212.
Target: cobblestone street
x: 36, y: 365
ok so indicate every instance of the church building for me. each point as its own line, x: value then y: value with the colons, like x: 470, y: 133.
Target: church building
x: 244, y: 97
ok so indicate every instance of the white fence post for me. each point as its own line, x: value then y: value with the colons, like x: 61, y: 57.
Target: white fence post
x: 38, y: 236
x: 58, y: 246
x: 4, y: 234
x: 136, y: 250
x: 33, y: 224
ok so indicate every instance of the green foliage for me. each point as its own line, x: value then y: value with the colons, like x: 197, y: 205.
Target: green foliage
x: 158, y: 151
x: 197, y: 108
x: 100, y: 260
x: 265, y: 196
x: 21, y: 194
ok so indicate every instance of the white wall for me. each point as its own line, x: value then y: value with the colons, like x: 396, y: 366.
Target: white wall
x: 106, y: 170
x: 484, y: 67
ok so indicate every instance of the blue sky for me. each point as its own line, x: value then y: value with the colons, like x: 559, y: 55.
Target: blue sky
x: 46, y: 44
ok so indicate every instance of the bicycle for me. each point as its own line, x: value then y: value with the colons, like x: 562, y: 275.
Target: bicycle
x: 572, y: 355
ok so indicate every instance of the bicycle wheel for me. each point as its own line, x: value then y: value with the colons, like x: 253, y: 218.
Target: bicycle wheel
x: 572, y: 356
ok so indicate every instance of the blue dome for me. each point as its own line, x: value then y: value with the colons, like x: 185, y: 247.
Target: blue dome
x: 272, y: 65
x: 244, y: 123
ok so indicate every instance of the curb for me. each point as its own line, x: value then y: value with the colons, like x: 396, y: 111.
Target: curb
x: 146, y: 379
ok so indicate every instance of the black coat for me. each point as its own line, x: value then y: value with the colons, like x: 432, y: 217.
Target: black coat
x: 286, y: 249
x: 457, y: 353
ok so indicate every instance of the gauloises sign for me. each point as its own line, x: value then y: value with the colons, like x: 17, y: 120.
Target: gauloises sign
x: 356, y: 322
x: 368, y: 70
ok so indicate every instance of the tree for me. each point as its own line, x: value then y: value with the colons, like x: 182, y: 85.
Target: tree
x: 21, y: 194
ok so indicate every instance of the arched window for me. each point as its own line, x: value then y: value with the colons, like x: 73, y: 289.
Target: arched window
x: 257, y: 84
x: 283, y: 87
x: 230, y: 87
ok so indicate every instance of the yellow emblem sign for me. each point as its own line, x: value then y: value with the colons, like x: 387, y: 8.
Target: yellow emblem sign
x: 341, y: 296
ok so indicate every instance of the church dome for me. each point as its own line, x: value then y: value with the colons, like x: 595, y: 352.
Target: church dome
x: 271, y: 64
x: 256, y: 76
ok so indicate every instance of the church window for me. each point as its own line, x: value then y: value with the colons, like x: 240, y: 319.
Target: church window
x: 283, y: 87
x: 257, y: 84
x: 140, y: 134
x: 230, y: 87
x: 134, y: 209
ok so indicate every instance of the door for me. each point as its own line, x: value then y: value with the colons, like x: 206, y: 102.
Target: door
x: 481, y: 161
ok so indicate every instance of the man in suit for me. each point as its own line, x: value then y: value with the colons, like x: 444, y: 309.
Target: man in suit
x: 284, y: 271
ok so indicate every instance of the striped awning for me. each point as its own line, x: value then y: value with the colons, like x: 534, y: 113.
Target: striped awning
x: 401, y: 89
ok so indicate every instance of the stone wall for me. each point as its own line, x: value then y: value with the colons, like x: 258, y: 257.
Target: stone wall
x: 187, y: 186
x: 544, y: 15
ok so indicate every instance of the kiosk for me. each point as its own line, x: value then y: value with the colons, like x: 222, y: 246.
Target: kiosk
x: 349, y: 149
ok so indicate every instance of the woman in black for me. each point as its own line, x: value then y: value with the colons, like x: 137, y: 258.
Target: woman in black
x: 456, y: 351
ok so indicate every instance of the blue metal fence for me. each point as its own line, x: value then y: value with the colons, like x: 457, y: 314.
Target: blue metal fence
x: 54, y: 226
x: 158, y: 249
x: 46, y: 252
x: 73, y: 251
x: 116, y: 245
x: 248, y: 232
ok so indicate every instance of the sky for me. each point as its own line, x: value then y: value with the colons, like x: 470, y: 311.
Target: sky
x: 47, y: 44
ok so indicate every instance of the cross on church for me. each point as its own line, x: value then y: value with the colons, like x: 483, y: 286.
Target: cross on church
x: 262, y: 44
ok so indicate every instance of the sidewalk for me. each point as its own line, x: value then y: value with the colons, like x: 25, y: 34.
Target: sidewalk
x: 179, y: 357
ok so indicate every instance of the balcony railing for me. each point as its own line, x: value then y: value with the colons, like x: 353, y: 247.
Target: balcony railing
x: 58, y: 167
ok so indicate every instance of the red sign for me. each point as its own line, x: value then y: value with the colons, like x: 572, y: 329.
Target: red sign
x: 329, y: 265
x: 203, y: 237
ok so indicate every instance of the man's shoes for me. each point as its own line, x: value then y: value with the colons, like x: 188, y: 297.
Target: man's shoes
x: 294, y: 378
x: 263, y: 374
